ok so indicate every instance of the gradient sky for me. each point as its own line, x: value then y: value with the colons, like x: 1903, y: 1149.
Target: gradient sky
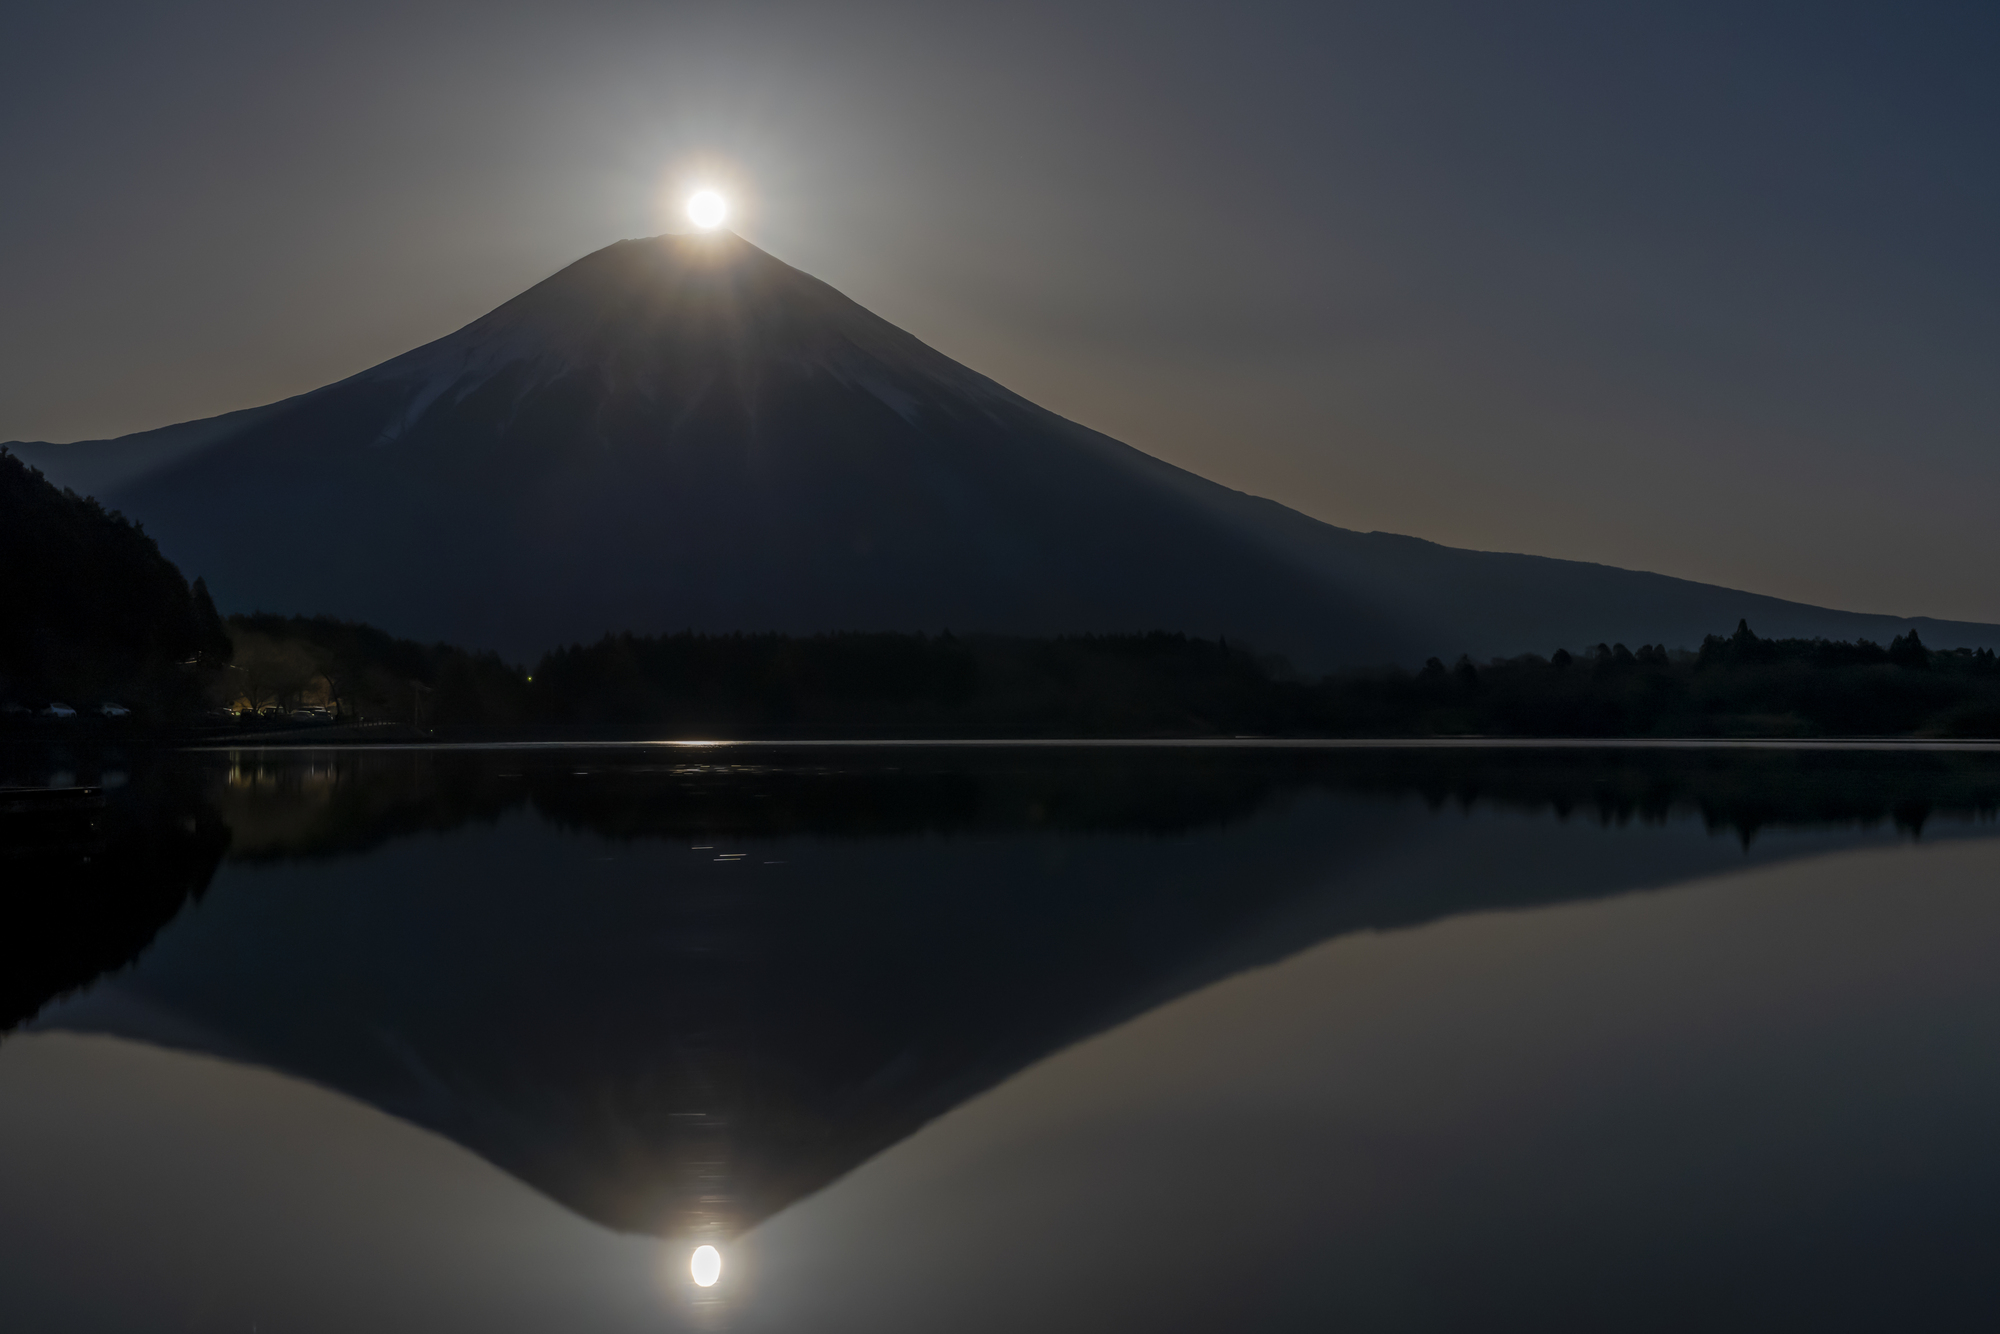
x: 1704, y: 288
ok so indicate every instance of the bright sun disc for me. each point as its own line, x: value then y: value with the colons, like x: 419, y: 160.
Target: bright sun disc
x: 707, y: 209
x: 706, y: 1266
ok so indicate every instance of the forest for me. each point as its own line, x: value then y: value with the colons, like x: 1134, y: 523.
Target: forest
x: 91, y: 614
x: 913, y: 685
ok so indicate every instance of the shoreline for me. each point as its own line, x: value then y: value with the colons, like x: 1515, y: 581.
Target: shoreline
x: 1914, y: 744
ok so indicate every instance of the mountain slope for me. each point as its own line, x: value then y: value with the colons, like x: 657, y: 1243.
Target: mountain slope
x: 684, y: 432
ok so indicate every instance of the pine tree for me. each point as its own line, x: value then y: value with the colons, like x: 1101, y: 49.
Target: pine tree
x: 215, y: 646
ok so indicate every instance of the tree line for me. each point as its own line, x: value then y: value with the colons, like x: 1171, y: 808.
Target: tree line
x: 91, y: 612
x: 1159, y: 684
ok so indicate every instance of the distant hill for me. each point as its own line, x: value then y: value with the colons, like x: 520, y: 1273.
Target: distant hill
x: 685, y: 433
x: 90, y: 611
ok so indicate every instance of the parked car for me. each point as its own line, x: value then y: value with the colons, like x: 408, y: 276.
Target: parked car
x: 59, y: 711
x: 12, y: 710
x: 114, y: 710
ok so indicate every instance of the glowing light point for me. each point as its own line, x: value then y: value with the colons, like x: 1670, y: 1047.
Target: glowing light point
x: 707, y: 209
x: 706, y: 1266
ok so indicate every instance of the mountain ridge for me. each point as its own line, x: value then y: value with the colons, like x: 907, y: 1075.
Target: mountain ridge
x: 685, y: 432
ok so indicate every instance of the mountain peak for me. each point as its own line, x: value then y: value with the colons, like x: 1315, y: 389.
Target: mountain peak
x: 669, y: 318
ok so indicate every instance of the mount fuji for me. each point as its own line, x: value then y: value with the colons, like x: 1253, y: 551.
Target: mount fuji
x: 685, y: 432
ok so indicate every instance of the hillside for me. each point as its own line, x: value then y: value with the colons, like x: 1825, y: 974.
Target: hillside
x: 90, y: 611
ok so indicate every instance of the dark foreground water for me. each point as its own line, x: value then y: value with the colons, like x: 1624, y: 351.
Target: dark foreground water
x: 1004, y: 1039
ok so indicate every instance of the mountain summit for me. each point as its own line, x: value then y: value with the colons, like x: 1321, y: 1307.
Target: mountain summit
x: 685, y: 432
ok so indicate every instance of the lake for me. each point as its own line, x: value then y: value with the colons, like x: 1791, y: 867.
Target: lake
x: 994, y: 1038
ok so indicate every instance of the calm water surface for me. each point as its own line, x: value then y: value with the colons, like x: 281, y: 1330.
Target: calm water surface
x: 999, y: 1039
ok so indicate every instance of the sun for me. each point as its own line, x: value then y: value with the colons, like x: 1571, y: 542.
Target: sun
x: 706, y: 209
x: 706, y: 1266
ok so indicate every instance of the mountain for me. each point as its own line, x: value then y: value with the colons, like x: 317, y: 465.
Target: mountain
x: 684, y: 432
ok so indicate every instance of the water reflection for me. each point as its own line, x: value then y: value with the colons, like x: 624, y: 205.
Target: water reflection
x: 1757, y: 1102
x: 680, y: 998
x: 148, y: 1189
x: 89, y: 883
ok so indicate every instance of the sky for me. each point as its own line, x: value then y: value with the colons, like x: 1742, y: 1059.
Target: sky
x: 1704, y: 288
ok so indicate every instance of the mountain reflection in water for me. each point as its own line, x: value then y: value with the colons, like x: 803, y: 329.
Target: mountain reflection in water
x: 679, y: 998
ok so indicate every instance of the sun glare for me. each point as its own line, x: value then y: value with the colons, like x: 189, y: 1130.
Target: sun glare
x: 706, y: 210
x: 706, y: 1266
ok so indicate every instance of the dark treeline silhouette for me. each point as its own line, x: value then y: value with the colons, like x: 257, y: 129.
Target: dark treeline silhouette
x: 1735, y: 686
x: 90, y: 612
x: 1173, y: 685
x: 280, y: 806
x: 890, y: 685
x: 861, y: 684
x: 89, y: 888
x: 765, y: 684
